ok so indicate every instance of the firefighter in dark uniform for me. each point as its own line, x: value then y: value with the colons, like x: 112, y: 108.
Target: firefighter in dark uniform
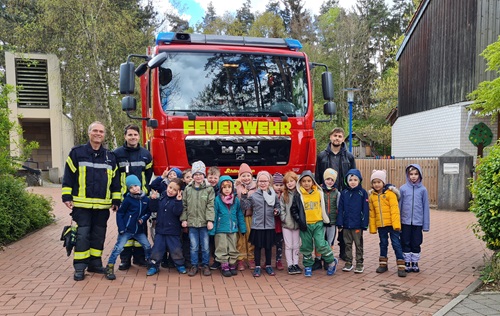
x: 90, y: 188
x: 136, y: 160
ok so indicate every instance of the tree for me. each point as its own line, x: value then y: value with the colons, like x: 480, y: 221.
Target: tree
x: 267, y: 24
x: 91, y: 39
x: 487, y: 95
x: 8, y: 163
x: 245, y: 17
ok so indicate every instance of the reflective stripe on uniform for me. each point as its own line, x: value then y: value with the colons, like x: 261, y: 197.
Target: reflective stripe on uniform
x: 80, y: 255
x: 95, y: 252
x: 137, y: 244
x: 70, y: 164
x: 129, y: 243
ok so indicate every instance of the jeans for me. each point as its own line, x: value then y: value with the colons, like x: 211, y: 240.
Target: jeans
x: 384, y: 234
x: 198, y: 237
x: 122, y: 240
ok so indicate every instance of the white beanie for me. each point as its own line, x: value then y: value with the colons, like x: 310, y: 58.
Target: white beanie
x: 379, y: 174
x: 198, y: 167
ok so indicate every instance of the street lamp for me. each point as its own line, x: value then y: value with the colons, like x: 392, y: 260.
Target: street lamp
x: 350, y: 100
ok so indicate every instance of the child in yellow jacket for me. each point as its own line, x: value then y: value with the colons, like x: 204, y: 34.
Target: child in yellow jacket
x: 385, y: 218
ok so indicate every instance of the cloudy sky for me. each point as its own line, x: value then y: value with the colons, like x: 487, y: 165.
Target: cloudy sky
x: 196, y: 8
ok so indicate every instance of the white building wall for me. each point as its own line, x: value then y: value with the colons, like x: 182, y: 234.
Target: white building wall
x: 427, y: 134
x: 435, y: 132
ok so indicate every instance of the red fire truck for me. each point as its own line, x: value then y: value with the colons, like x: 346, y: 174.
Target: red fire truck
x: 226, y: 100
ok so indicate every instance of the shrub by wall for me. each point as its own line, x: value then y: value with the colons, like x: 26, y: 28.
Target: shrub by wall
x: 486, y: 202
x: 21, y: 212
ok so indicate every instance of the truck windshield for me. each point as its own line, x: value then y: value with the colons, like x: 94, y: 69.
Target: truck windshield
x: 233, y: 84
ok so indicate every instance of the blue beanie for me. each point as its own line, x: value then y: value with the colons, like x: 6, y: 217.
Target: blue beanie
x: 132, y: 180
x: 177, y: 171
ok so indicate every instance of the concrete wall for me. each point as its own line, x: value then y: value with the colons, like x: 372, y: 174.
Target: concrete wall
x: 54, y: 124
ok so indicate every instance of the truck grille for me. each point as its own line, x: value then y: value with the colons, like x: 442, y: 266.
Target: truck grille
x: 234, y: 150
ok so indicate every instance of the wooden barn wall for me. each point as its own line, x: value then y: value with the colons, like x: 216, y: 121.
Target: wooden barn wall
x: 437, y: 65
x: 488, y: 30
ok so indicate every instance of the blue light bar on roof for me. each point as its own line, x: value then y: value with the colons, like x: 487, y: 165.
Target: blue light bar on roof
x: 165, y: 37
x: 293, y: 44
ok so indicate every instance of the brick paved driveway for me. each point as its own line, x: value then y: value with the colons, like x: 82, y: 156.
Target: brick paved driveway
x: 36, y: 278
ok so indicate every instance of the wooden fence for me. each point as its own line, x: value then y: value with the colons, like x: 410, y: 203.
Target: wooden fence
x: 396, y: 172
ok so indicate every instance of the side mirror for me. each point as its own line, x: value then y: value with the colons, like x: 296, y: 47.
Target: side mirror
x: 157, y: 60
x: 152, y: 123
x: 141, y: 69
x: 330, y: 108
x: 127, y: 79
x: 327, y: 85
x: 129, y: 103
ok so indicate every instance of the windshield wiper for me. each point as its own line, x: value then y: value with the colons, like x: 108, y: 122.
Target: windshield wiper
x: 193, y: 113
x: 283, y: 116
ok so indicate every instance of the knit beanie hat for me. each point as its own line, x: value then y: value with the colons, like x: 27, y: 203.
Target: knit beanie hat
x: 244, y: 168
x: 198, y: 167
x: 264, y: 173
x: 278, y: 178
x: 177, y: 171
x: 330, y: 173
x: 132, y: 180
x: 379, y: 174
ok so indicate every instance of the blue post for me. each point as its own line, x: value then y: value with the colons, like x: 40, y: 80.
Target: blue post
x: 350, y: 126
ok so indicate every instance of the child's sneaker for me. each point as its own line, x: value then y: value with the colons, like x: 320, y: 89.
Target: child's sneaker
x: 181, y: 269
x: 193, y: 271
x: 291, y: 269
x: 298, y: 269
x: 206, y: 271
x: 414, y: 267
x: 232, y: 269
x: 279, y: 265
x: 332, y: 267
x: 256, y: 272
x: 359, y: 268
x: 308, y: 272
x: 347, y: 267
x: 224, y: 269
x: 215, y: 266
x: 152, y: 270
x: 251, y: 264
x: 317, y: 264
x: 241, y: 265
x: 270, y: 270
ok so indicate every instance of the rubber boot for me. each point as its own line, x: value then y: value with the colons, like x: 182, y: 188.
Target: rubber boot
x: 382, y: 261
x: 401, y: 268
x: 110, y: 271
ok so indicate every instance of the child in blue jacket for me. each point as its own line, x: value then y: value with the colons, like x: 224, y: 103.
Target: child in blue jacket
x: 130, y: 217
x: 353, y: 218
x: 229, y: 220
x: 415, y: 216
x: 168, y: 208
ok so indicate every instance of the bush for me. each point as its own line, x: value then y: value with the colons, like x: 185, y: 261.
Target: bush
x: 21, y: 212
x: 486, y: 202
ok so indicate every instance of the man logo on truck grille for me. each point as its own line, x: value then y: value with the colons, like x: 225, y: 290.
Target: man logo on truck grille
x: 240, y: 150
